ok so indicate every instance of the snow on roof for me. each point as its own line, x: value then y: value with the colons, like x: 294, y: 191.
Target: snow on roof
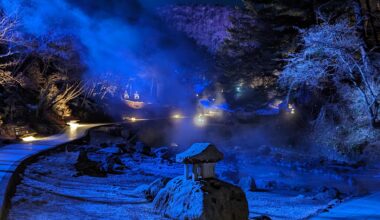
x: 200, y: 153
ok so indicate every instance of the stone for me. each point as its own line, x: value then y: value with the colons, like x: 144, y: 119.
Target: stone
x: 123, y: 147
x: 85, y: 166
x: 142, y: 148
x: 114, y: 165
x: 111, y: 150
x: 201, y: 200
x: 162, y: 152
x: 247, y: 183
x: 266, y: 184
x: 126, y: 147
x: 328, y: 193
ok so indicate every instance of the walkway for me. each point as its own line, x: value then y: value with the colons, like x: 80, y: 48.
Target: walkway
x: 13, y: 156
x: 365, y: 208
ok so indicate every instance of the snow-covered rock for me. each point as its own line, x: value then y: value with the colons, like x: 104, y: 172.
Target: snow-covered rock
x: 266, y: 184
x: 100, y: 163
x: 162, y: 152
x: 150, y: 191
x: 247, y: 183
x: 113, y: 164
x: 110, y: 150
x: 205, y: 199
x: 86, y: 166
x: 328, y: 193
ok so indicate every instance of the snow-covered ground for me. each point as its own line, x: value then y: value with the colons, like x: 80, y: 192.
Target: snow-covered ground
x: 49, y: 191
x: 290, y: 185
x: 367, y: 207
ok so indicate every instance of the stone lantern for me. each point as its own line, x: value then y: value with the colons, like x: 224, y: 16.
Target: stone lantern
x: 201, y: 159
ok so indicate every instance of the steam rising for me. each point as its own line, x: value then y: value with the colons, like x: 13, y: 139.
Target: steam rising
x: 123, y: 38
x: 127, y: 40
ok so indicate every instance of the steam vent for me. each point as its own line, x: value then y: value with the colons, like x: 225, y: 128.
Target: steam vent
x: 202, y: 196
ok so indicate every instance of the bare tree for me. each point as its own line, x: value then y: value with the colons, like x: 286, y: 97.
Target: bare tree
x: 10, y: 43
x: 54, y: 97
x: 99, y: 87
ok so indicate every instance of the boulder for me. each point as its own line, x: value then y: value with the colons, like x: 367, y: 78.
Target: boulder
x: 142, y: 148
x: 85, y: 166
x: 266, y: 184
x: 126, y: 147
x: 110, y: 150
x: 162, y: 152
x: 247, y: 183
x: 114, y: 165
x: 328, y: 193
x: 203, y: 200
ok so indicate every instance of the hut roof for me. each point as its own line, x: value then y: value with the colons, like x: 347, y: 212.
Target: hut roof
x: 200, y: 153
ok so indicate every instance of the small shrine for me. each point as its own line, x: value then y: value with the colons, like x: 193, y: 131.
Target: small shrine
x: 200, y: 160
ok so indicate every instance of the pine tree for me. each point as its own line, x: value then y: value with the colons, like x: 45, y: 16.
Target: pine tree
x: 262, y: 37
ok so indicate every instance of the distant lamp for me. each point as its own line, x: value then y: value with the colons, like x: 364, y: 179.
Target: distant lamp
x: 200, y: 120
x: 73, y: 124
x: 133, y: 119
x: 292, y: 109
x: 29, y: 139
x: 136, y: 95
x: 177, y: 116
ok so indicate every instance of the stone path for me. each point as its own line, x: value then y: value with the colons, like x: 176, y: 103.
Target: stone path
x: 14, y: 155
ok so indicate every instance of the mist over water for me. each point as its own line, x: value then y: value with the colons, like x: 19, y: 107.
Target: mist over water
x: 125, y: 39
